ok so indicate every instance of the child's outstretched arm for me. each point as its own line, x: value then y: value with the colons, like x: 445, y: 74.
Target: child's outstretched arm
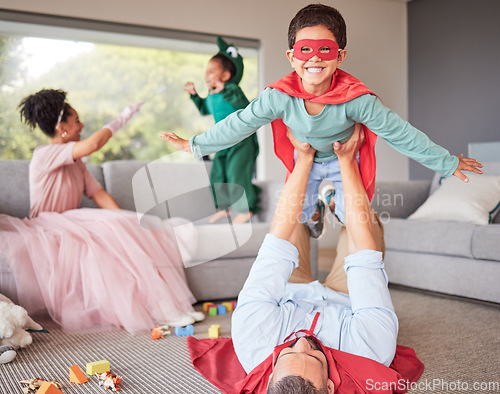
x: 178, y: 142
x: 467, y: 164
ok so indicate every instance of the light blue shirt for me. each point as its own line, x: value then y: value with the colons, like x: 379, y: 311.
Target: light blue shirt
x: 270, y: 309
x: 334, y: 123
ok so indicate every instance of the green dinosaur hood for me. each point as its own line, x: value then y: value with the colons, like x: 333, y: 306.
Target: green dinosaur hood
x: 229, y: 51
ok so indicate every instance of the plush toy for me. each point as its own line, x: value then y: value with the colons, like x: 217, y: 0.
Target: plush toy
x: 14, y: 321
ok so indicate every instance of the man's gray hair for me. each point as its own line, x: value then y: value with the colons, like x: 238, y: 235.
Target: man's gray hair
x: 294, y: 384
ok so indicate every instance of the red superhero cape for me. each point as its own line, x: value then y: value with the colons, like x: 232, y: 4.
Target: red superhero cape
x: 216, y: 360
x: 344, y: 88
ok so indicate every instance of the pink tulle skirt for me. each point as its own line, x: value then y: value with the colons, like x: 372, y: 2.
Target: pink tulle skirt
x: 97, y: 268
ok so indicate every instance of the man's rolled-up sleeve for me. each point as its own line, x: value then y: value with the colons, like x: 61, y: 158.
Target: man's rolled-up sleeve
x: 370, y: 327
x: 257, y: 321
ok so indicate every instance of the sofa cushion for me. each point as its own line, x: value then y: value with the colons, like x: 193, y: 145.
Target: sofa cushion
x: 486, y: 242
x: 96, y: 171
x: 399, y: 199
x: 15, y: 193
x: 474, y: 202
x: 226, y: 241
x: 435, y: 237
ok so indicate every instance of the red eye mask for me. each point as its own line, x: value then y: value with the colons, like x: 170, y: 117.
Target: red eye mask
x: 306, y: 49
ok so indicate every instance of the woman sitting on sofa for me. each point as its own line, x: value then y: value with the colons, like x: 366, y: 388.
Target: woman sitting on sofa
x: 89, y: 267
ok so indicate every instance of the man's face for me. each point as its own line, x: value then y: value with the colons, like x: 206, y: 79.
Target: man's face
x: 316, y: 73
x: 303, y: 358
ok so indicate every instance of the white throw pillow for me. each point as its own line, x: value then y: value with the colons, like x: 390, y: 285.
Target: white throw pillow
x: 475, y: 202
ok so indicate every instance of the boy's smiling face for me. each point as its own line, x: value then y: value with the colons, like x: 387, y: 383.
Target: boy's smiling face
x: 316, y: 73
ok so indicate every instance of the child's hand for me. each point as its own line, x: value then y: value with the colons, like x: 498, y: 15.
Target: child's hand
x: 302, y: 148
x: 189, y: 87
x: 467, y: 164
x: 219, y: 86
x: 178, y: 142
x: 350, y: 148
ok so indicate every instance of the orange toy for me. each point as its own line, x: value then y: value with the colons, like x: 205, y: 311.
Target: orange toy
x: 76, y: 375
x: 48, y: 388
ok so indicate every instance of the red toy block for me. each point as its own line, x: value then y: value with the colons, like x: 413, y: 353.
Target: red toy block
x: 48, y: 388
x: 207, y: 305
x: 76, y: 375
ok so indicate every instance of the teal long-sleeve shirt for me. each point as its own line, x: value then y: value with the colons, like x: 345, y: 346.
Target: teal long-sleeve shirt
x: 334, y: 123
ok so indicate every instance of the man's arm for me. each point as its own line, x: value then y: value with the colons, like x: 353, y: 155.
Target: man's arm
x: 370, y: 327
x: 289, y: 208
x: 258, y: 321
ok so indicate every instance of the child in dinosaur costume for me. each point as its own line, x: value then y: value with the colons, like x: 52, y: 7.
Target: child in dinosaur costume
x: 234, y: 165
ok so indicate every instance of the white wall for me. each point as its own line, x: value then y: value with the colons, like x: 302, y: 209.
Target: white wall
x: 376, y: 33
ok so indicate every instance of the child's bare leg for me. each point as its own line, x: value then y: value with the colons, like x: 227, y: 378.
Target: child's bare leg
x: 218, y: 216
x: 302, y: 241
x: 242, y: 217
x: 337, y: 278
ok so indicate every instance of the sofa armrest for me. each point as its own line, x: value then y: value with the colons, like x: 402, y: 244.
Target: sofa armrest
x: 399, y: 199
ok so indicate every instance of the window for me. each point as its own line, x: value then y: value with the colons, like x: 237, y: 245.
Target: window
x: 104, y: 67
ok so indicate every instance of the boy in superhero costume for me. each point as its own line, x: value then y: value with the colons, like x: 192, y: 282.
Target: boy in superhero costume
x: 233, y: 165
x: 307, y: 336
x: 320, y: 104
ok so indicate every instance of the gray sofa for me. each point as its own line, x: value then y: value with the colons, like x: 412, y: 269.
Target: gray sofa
x: 213, y: 274
x: 444, y: 256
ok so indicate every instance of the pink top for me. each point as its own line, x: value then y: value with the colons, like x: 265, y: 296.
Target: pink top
x: 57, y: 182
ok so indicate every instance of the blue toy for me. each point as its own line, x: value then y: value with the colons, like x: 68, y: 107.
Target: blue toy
x: 184, y: 331
x: 221, y: 309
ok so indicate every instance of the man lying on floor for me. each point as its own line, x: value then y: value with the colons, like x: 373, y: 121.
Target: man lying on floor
x: 300, y: 323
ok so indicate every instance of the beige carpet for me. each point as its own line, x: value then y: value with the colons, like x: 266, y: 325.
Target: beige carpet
x: 457, y: 340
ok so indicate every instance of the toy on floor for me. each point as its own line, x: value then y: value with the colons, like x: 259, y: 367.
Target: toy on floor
x: 14, y: 321
x: 48, y: 388
x: 219, y: 309
x: 214, y: 331
x: 109, y: 380
x: 97, y: 367
x: 184, y: 331
x: 76, y: 375
x: 159, y: 332
x: 7, y: 354
x: 36, y: 383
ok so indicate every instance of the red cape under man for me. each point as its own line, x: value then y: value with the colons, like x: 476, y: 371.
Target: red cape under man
x: 216, y: 360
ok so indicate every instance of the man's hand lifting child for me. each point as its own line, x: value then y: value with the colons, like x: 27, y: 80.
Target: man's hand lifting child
x: 178, y: 142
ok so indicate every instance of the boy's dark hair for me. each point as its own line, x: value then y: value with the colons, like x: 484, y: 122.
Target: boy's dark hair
x: 318, y: 14
x: 43, y: 109
x: 227, y: 65
x: 294, y: 384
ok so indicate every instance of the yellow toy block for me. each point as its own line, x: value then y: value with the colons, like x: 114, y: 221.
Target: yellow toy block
x: 48, y: 388
x: 228, y: 305
x: 214, y: 331
x: 76, y: 375
x: 98, y: 367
